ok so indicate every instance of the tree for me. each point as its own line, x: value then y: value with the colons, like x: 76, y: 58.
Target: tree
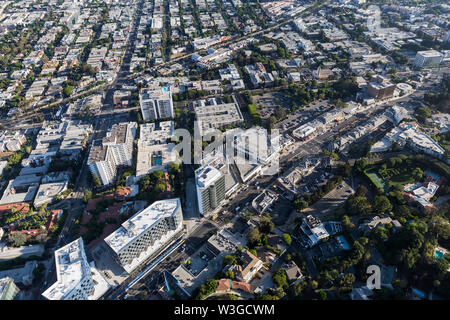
x: 417, y: 174
x: 380, y: 234
x: 346, y: 223
x: 346, y: 282
x: 422, y: 114
x: 253, y: 237
x: 300, y: 204
x: 287, y: 238
x: 206, y: 289
x: 322, y: 294
x: 229, y: 274
x: 382, y: 204
x: 361, y: 191
x: 280, y: 113
x: 42, y: 210
x: 266, y: 225
x: 67, y: 91
x: 96, y: 181
x: 229, y: 260
x: 359, y: 205
x: 280, y: 279
x: 402, y: 211
x: 17, y: 239
x: 87, y: 195
x: 439, y: 227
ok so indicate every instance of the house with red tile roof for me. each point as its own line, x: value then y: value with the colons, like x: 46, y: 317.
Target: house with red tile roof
x: 21, y: 207
x: 54, y: 215
x: 29, y: 233
x: 227, y: 285
x: 122, y: 193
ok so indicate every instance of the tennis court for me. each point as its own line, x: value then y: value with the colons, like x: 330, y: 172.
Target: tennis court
x: 377, y: 180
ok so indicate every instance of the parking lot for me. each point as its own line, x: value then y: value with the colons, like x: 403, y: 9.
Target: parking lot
x: 270, y: 101
x: 330, y: 202
x: 303, y: 115
x: 280, y: 211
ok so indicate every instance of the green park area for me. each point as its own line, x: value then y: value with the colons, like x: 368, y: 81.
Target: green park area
x: 394, y: 173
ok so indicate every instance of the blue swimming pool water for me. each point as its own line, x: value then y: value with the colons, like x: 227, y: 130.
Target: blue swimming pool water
x: 343, y: 242
x: 439, y: 254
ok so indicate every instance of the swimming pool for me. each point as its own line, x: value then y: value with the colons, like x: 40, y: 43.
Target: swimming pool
x: 341, y: 240
x: 439, y: 254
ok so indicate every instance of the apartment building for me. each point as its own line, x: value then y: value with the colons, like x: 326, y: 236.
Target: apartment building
x: 8, y: 289
x: 154, y: 153
x: 210, y: 184
x: 120, y: 141
x: 116, y: 149
x: 146, y: 233
x: 212, y: 115
x: 156, y: 104
x: 76, y: 278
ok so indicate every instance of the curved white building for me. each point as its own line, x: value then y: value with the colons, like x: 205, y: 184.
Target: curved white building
x: 76, y: 279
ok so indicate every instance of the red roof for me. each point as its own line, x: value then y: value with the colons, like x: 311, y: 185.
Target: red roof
x: 123, y: 192
x: 20, y: 206
x: 31, y: 232
x: 227, y: 284
x: 53, y: 218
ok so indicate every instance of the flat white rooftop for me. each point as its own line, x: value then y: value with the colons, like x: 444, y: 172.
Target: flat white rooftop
x: 71, y: 267
x: 141, y: 222
x: 206, y: 176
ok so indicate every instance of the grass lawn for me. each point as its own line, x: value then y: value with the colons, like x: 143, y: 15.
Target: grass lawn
x: 402, y: 179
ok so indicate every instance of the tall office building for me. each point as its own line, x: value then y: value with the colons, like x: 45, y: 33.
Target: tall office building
x: 116, y: 149
x: 428, y: 58
x: 156, y: 104
x: 75, y: 278
x: 381, y: 88
x: 210, y: 184
x: 8, y: 289
x: 146, y: 233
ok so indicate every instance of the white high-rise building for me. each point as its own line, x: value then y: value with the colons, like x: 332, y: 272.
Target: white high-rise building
x: 120, y: 141
x: 428, y: 58
x: 156, y: 104
x: 210, y: 183
x: 101, y: 163
x: 116, y: 149
x: 76, y: 278
x: 146, y: 233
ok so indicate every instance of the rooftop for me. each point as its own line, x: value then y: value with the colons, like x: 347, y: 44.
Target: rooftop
x: 206, y: 176
x: 71, y: 268
x: 141, y: 222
